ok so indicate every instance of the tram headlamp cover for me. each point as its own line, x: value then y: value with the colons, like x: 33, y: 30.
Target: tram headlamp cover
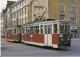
x: 62, y: 39
x: 61, y: 35
x: 68, y: 39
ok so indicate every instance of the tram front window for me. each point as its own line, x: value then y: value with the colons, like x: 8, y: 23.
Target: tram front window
x: 64, y: 28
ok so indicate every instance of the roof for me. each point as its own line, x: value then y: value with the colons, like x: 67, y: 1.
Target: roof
x: 9, y: 3
x: 16, y: 3
x: 45, y: 22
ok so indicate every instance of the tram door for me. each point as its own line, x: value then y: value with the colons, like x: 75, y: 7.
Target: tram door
x: 48, y: 35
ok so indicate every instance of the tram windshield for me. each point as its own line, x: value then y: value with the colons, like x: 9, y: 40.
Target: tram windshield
x: 8, y: 31
x: 64, y: 28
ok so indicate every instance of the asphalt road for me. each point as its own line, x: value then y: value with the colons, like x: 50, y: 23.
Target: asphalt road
x: 20, y: 49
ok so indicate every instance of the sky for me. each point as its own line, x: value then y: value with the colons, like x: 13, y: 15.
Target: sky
x: 3, y: 4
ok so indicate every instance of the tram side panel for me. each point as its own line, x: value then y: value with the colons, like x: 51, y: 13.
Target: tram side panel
x: 27, y: 37
x: 38, y: 39
x: 55, y: 40
x: 9, y: 37
x: 16, y: 37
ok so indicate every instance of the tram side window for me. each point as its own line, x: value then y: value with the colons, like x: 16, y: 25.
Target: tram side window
x: 36, y: 29
x: 55, y: 28
x: 45, y: 28
x: 8, y: 31
x: 41, y: 28
x: 27, y: 30
x: 62, y: 29
x: 14, y: 31
x: 49, y: 29
x: 67, y: 28
x: 32, y: 30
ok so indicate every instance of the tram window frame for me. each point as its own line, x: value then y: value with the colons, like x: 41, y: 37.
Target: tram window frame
x: 49, y: 29
x: 55, y: 28
x: 41, y: 29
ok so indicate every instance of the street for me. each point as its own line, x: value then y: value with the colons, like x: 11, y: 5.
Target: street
x: 20, y: 49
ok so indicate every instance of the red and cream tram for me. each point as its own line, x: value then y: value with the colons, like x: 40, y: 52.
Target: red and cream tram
x: 52, y: 33
x: 13, y: 34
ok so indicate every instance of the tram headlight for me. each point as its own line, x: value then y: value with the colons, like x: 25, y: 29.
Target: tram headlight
x: 62, y: 39
x: 68, y: 39
x: 61, y: 35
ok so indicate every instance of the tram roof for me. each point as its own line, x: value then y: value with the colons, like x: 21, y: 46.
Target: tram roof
x: 45, y: 22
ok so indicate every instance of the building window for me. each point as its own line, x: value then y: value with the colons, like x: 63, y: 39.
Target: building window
x: 73, y: 1
x: 62, y: 8
x: 22, y: 20
x: 62, y: 0
x: 62, y: 17
x: 73, y: 20
x: 25, y: 1
x: 73, y: 9
x: 25, y: 10
x: 25, y: 20
x: 20, y: 4
x: 22, y: 12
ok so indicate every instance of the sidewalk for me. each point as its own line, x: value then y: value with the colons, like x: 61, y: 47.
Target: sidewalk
x: 75, y: 39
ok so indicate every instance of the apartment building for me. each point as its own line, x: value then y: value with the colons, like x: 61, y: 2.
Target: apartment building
x: 6, y: 16
x: 58, y: 9
x: 1, y: 23
x: 21, y: 12
x: 9, y: 13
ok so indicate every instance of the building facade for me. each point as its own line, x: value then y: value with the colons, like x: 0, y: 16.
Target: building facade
x: 21, y: 12
x: 6, y: 16
x: 9, y: 13
x: 4, y: 21
x: 1, y: 16
x: 60, y: 10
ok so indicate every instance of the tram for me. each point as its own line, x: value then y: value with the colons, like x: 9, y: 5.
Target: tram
x: 13, y: 34
x: 52, y: 33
